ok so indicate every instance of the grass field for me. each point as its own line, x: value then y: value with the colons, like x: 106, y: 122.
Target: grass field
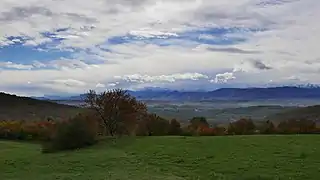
x: 169, y: 158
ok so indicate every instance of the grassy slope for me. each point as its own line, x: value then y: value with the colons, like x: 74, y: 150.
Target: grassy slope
x: 23, y: 108
x: 168, y: 158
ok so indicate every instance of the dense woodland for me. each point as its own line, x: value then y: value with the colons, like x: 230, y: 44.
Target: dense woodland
x: 116, y: 113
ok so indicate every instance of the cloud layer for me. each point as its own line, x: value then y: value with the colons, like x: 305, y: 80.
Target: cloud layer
x: 59, y: 46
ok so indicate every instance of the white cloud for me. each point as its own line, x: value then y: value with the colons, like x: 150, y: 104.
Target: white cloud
x: 147, y: 33
x: 68, y: 63
x: 37, y: 41
x: 90, y: 23
x: 287, y: 43
x: 14, y: 65
x: 38, y: 64
x: 223, y: 78
x: 161, y: 78
x: 113, y: 84
x: 69, y: 82
x: 99, y: 85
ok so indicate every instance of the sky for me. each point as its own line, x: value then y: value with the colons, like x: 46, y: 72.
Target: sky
x: 54, y: 47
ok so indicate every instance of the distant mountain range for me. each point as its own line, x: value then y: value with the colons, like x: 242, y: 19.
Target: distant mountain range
x: 286, y: 92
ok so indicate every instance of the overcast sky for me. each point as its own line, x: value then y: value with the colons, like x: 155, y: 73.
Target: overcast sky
x: 68, y: 46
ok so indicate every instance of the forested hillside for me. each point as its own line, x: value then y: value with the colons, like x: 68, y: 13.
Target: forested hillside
x: 14, y: 107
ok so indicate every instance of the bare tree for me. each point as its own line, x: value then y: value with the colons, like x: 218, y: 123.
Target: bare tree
x: 118, y: 110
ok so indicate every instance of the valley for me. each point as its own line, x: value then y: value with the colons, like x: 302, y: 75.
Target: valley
x: 218, y: 111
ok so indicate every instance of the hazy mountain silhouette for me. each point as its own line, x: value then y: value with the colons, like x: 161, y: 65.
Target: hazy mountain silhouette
x: 286, y: 92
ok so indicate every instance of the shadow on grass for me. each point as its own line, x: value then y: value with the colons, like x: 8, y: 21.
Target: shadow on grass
x: 21, y: 141
x: 102, y: 142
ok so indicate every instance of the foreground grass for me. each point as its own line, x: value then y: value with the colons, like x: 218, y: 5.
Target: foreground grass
x: 169, y: 158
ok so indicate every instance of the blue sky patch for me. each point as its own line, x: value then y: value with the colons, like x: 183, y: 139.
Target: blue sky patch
x: 218, y: 37
x: 19, y: 53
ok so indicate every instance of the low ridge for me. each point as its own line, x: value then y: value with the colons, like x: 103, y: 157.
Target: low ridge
x: 14, y: 107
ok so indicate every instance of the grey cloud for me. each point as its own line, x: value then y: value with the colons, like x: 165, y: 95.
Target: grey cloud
x: 233, y: 50
x: 242, y: 16
x: 220, y: 15
x: 274, y: 3
x: 68, y: 82
x: 313, y: 62
x: 78, y: 17
x: 18, y: 13
x: 68, y: 63
x: 260, y: 65
x: 131, y: 4
x: 285, y: 53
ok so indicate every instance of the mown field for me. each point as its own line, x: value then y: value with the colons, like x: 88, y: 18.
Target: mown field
x: 169, y: 158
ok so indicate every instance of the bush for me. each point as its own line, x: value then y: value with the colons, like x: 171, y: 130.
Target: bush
x: 292, y: 126
x: 10, y: 130
x: 174, y: 127
x: 241, y: 127
x: 267, y: 128
x: 196, y: 122
x: 220, y: 131
x: 186, y: 131
x: 153, y: 125
x: 75, y: 133
x: 25, y: 130
x: 206, y: 131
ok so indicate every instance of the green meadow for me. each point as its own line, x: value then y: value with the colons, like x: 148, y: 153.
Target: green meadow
x: 169, y: 158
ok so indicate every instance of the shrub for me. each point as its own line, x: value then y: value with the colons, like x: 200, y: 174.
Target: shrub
x: 153, y: 125
x: 175, y: 127
x: 241, y: 127
x: 205, y: 131
x: 13, y: 130
x: 267, y: 128
x: 74, y: 133
x: 292, y: 126
x: 220, y: 131
x: 186, y: 131
x: 195, y: 122
x: 25, y: 130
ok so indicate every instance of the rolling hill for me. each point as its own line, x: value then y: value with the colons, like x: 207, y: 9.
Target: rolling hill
x: 14, y: 107
x: 310, y: 113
